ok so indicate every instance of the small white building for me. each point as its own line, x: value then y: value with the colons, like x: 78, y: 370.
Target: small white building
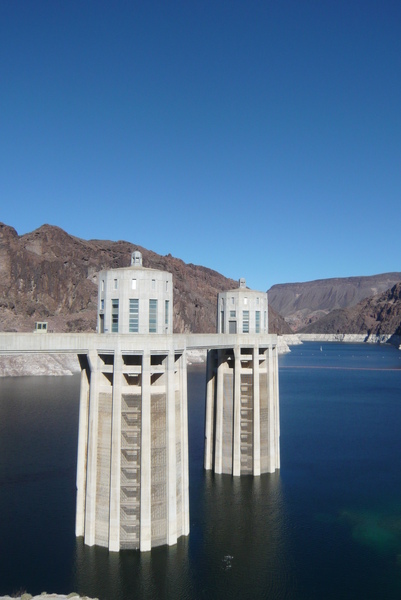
x: 41, y: 327
x: 242, y: 311
x: 135, y: 299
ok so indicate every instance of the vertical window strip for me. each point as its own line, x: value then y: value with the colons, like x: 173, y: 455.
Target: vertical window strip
x: 245, y: 321
x: 133, y: 315
x: 257, y: 321
x: 152, y: 316
x: 166, y: 311
x: 114, y: 316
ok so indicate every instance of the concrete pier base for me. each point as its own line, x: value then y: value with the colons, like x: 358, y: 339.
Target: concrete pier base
x: 242, y: 429
x: 132, y: 471
x: 132, y: 476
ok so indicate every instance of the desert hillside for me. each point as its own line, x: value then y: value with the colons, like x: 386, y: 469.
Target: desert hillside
x: 304, y: 303
x: 378, y: 315
x: 49, y: 275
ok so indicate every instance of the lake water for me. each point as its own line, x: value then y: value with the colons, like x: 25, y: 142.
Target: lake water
x: 326, y: 526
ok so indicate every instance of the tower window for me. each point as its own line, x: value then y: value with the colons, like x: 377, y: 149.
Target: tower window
x: 133, y: 284
x: 245, y: 321
x: 257, y: 321
x: 166, y: 310
x: 133, y: 315
x: 116, y: 284
x: 114, y: 316
x: 152, y: 316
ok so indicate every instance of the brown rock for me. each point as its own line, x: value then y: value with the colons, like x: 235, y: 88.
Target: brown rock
x: 49, y: 275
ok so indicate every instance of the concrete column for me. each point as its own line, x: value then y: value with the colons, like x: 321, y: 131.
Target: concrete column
x: 209, y: 415
x: 276, y: 407
x: 218, y: 461
x: 91, y: 477
x: 115, y: 462
x: 171, y: 452
x: 82, y: 453
x: 184, y: 444
x: 237, y: 413
x: 145, y: 541
x: 256, y: 411
x: 271, y: 420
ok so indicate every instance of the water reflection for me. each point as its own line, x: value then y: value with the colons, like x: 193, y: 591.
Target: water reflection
x: 238, y: 548
x: 161, y: 573
x: 245, y: 536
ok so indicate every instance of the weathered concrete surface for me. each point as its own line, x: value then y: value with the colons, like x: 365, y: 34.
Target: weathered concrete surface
x: 30, y: 364
x: 83, y: 343
x: 242, y: 429
x: 30, y: 354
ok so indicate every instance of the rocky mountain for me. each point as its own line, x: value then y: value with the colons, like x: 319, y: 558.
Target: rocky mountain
x: 304, y: 303
x: 378, y: 315
x: 49, y: 275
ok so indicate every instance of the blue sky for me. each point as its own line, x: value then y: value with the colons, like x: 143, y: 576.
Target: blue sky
x: 260, y: 138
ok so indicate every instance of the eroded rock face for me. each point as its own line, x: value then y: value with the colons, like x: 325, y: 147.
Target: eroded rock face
x: 377, y: 316
x: 38, y: 364
x: 49, y: 275
x: 303, y: 304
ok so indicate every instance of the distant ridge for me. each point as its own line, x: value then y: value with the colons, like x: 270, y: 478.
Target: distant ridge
x: 304, y: 303
x: 378, y: 315
x: 49, y: 275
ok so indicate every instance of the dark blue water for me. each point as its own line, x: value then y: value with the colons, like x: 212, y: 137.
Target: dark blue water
x: 328, y: 525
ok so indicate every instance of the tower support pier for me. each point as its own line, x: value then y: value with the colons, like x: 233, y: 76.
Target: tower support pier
x: 242, y: 429
x: 132, y: 476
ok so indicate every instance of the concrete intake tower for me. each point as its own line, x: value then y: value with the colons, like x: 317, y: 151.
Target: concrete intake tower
x: 132, y: 469
x: 133, y: 466
x: 242, y: 433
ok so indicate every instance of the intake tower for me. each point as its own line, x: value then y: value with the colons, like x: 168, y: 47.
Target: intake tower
x: 242, y: 433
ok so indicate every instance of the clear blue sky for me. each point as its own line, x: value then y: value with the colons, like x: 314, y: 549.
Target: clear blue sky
x: 260, y: 138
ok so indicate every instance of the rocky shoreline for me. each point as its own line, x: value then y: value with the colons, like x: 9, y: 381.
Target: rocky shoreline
x: 367, y: 338
x: 46, y: 596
